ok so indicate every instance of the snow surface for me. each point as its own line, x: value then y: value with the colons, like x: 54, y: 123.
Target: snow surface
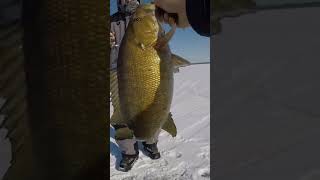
x: 186, y: 156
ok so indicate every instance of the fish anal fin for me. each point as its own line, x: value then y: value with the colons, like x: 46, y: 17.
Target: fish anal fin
x: 170, y: 127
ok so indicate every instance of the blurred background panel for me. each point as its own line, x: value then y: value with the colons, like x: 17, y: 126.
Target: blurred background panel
x: 266, y: 97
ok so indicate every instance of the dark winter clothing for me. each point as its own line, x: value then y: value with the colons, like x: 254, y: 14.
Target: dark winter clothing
x: 198, y: 13
x: 119, y: 23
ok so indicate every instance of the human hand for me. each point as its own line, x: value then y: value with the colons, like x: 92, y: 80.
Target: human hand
x: 112, y: 39
x: 174, y: 6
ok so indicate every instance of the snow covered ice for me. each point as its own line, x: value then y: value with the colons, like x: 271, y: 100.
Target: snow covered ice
x: 186, y: 156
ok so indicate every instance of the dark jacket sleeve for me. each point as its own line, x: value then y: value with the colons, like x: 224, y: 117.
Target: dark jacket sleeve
x: 198, y: 13
x: 118, y: 26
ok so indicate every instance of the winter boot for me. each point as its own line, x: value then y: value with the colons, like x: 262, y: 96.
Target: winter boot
x: 151, y: 150
x: 128, y: 160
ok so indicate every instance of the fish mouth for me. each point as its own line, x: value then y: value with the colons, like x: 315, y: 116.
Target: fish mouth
x: 147, y: 9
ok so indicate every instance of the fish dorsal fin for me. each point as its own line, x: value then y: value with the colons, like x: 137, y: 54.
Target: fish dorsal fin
x: 114, y: 93
x: 170, y: 127
x: 178, y: 62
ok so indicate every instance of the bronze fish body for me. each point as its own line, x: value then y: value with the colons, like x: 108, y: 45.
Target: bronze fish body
x: 144, y: 92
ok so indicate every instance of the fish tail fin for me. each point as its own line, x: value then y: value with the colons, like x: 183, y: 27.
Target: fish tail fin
x: 170, y: 127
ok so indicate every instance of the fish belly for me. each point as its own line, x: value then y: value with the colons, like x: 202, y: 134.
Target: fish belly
x: 145, y: 90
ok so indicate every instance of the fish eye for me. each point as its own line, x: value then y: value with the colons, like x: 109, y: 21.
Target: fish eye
x: 136, y: 19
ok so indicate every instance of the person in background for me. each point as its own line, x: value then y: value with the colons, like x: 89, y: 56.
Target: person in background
x: 194, y: 13
x: 119, y: 23
x: 128, y: 146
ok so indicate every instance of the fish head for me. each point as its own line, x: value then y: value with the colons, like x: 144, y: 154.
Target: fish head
x: 145, y: 25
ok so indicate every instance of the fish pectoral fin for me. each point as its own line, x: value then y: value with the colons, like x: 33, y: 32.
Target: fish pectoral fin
x: 140, y: 44
x: 170, y: 127
x: 178, y: 62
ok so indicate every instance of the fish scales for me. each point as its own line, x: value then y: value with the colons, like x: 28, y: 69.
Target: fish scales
x: 145, y: 75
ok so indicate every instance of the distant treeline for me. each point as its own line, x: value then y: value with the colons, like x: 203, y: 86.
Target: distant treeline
x: 200, y: 63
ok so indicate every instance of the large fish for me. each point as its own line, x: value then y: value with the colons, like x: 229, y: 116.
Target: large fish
x: 142, y: 86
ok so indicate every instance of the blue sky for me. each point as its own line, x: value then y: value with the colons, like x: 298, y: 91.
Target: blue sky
x: 185, y: 43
